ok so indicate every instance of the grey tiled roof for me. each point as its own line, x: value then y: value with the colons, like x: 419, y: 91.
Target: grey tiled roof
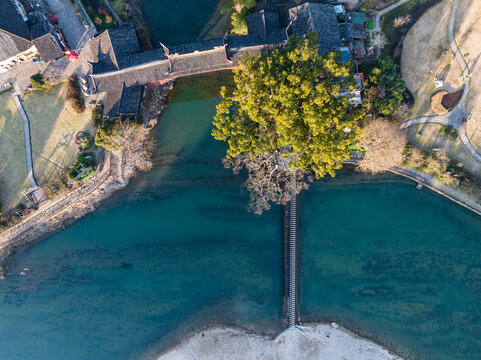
x: 320, y: 18
x: 124, y: 101
x: 195, y: 46
x: 11, y: 21
x: 351, y: 31
x: 48, y: 47
x: 159, y: 70
x: 131, y: 100
x: 124, y: 40
x: 112, y: 102
x: 113, y: 48
x: 12, y: 45
x: 103, y: 56
x: 142, y: 58
x: 17, y: 36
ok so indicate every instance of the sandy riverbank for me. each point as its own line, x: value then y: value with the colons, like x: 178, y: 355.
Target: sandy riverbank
x: 317, y: 341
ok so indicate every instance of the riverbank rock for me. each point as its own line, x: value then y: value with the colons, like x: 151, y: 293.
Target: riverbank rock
x: 311, y: 342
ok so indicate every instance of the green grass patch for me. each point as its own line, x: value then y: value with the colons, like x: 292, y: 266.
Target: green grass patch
x: 414, y: 8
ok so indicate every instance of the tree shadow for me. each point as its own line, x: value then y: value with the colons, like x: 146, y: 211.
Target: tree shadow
x: 52, y: 131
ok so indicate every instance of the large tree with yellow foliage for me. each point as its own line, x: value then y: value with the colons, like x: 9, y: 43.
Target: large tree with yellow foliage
x: 286, y: 117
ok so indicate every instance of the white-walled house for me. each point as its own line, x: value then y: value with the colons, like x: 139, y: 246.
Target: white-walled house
x: 22, y: 37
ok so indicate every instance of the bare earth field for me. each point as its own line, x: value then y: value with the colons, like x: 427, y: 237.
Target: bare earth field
x: 53, y: 126
x: 426, y: 56
x: 467, y: 30
x: 13, y: 163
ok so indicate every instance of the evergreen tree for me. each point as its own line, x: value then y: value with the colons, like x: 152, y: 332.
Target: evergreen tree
x: 286, y: 109
x: 386, y: 87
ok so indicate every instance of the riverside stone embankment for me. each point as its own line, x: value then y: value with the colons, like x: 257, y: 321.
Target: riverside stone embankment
x: 114, y: 172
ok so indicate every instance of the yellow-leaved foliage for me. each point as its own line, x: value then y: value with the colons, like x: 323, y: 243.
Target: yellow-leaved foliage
x: 288, y: 100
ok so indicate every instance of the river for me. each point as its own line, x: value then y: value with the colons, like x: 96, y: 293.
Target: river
x: 177, y: 250
x: 180, y: 21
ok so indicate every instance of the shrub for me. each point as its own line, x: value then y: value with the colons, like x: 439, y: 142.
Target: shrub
x: 239, y: 22
x: 97, y: 114
x: 74, y: 94
x: 85, y: 142
x: 448, y: 131
x: 237, y: 5
x: 385, y: 87
x: 37, y: 81
x: 83, y: 162
x: 114, y: 135
x: 435, y: 164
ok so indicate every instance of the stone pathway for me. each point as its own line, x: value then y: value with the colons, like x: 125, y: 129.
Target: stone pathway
x: 457, y: 117
x: 37, y: 193
x: 72, y: 26
x: 377, y: 23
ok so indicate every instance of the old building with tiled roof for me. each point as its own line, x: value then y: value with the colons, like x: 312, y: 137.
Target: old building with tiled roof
x: 23, y: 36
x: 320, y: 18
x: 120, y: 69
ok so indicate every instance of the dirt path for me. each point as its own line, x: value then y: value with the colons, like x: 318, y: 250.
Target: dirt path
x: 457, y: 117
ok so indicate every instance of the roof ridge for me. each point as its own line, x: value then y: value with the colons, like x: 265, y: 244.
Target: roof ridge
x: 113, y: 50
x: 120, y: 97
x: 14, y: 35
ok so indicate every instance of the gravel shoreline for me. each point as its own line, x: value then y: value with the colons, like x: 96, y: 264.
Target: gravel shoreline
x: 319, y: 341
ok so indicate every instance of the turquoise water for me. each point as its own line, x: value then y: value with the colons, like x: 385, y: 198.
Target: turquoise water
x: 399, y: 265
x: 177, y: 250
x: 173, y: 252
x: 181, y: 21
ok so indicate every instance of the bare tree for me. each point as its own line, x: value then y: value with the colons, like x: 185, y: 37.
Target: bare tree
x: 269, y: 179
x: 378, y: 41
x: 402, y: 21
x: 384, y: 144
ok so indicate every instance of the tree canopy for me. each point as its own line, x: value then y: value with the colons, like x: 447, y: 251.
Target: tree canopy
x: 383, y: 143
x: 287, y: 120
x: 288, y: 101
x: 239, y: 15
x: 114, y: 135
x: 385, y: 87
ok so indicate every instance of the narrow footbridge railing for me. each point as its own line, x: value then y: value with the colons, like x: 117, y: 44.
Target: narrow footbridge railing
x: 291, y: 299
